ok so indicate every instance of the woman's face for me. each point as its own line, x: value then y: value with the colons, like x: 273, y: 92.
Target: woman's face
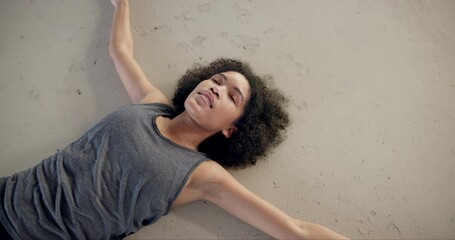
x: 216, y: 103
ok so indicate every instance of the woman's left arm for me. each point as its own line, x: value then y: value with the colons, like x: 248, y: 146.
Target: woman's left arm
x: 227, y: 193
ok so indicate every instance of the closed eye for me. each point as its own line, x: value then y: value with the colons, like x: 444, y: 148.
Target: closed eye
x: 218, y: 83
x: 232, y: 98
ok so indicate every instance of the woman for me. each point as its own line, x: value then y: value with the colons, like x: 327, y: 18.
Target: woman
x: 143, y: 160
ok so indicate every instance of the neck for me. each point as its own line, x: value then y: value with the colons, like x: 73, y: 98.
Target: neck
x: 183, y: 131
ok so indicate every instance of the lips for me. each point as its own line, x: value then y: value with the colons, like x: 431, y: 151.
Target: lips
x: 207, y: 97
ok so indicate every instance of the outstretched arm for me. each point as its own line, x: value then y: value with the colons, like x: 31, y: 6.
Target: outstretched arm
x: 227, y: 193
x: 139, y: 88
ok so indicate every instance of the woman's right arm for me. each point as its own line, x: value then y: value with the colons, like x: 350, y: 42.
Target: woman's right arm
x: 139, y: 88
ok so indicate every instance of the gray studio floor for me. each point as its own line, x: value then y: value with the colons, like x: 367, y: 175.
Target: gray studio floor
x: 371, y: 149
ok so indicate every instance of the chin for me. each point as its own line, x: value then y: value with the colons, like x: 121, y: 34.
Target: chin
x: 193, y: 109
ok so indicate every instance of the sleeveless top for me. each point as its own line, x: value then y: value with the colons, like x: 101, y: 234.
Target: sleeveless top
x: 120, y: 175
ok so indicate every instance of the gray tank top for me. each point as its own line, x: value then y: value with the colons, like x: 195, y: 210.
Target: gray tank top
x: 119, y: 176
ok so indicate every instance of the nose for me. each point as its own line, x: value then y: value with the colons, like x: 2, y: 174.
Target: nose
x: 215, y: 92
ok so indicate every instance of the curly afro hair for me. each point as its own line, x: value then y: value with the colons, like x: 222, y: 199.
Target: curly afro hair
x: 260, y: 128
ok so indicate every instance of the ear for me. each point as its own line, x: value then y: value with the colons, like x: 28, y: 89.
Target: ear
x: 228, y: 132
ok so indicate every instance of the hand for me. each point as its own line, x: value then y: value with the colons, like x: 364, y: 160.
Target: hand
x: 117, y: 2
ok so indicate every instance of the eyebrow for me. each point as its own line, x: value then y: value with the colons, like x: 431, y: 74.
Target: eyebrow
x: 235, y: 87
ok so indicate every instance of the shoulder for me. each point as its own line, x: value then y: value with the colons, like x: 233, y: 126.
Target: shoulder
x: 203, y: 182
x: 155, y: 96
x: 209, y: 172
x: 154, y: 108
x: 211, y: 179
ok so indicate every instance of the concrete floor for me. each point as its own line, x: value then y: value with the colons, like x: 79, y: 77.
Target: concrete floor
x: 371, y: 85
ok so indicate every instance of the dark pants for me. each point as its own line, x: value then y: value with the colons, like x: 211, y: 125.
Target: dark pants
x: 4, y: 234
